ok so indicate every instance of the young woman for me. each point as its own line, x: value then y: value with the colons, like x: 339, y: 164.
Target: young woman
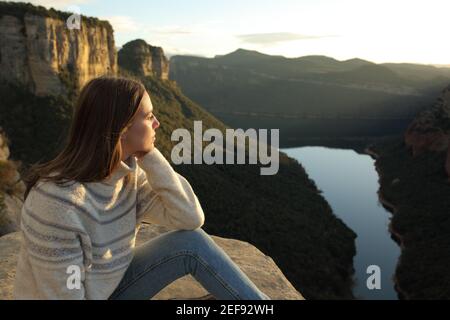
x: 83, y: 209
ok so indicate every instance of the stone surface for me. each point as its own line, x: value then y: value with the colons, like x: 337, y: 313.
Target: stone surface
x: 11, y: 190
x: 10, y: 213
x: 9, y: 247
x: 143, y: 59
x: 430, y: 130
x: 4, y: 148
x: 44, y: 55
x: 260, y: 268
x: 447, y: 162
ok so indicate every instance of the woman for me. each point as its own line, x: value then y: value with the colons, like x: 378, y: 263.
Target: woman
x: 82, y: 211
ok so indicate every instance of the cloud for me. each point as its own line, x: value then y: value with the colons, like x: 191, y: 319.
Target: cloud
x: 129, y: 24
x: 172, y: 30
x: 122, y: 23
x: 276, y: 37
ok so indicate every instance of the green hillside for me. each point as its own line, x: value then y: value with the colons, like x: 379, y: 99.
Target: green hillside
x: 414, y: 173
x: 311, y: 96
x: 421, y: 219
x: 283, y: 215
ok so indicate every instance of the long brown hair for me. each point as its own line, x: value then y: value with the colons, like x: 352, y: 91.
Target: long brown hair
x: 105, y: 107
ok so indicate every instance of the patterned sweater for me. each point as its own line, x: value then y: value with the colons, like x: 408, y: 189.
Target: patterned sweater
x: 88, y: 230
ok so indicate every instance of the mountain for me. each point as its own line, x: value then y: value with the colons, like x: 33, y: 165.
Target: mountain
x: 418, y: 71
x: 414, y: 173
x: 258, y: 209
x: 430, y: 130
x: 143, y: 59
x: 283, y: 215
x: 254, y: 59
x: 308, y: 97
x: 40, y: 53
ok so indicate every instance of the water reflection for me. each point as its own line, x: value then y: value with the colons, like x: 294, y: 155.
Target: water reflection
x: 349, y: 183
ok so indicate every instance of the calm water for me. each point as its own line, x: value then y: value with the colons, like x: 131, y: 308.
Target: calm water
x: 349, y: 183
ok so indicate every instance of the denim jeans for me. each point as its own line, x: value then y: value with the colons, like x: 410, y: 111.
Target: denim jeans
x: 176, y: 253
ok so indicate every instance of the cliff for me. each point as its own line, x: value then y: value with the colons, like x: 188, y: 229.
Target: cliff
x: 39, y: 51
x: 430, y: 130
x: 239, y: 202
x: 260, y: 268
x: 414, y: 174
x: 11, y: 189
x: 143, y: 59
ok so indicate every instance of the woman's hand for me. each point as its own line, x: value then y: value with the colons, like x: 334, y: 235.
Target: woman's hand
x: 140, y: 154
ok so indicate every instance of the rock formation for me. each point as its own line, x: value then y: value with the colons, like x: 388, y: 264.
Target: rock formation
x: 260, y: 268
x: 9, y: 247
x: 430, y: 130
x: 38, y: 50
x: 143, y: 59
x: 11, y: 190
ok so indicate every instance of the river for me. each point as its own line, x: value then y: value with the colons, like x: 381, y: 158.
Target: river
x: 349, y: 182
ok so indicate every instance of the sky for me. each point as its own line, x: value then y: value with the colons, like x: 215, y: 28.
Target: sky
x: 379, y: 31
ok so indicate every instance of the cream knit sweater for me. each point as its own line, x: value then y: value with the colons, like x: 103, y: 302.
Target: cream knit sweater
x: 89, y: 229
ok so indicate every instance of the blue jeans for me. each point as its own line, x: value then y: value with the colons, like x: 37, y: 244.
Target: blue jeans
x: 176, y: 253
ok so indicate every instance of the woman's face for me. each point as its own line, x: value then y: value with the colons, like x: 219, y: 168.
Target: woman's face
x: 139, y: 138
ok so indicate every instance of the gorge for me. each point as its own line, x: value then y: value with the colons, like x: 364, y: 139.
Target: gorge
x: 313, y: 227
x: 45, y: 72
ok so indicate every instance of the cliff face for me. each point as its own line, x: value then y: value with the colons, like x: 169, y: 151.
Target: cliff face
x: 40, y: 52
x: 27, y: 117
x: 447, y: 162
x: 143, y: 59
x: 430, y: 130
x: 413, y: 187
x: 11, y: 189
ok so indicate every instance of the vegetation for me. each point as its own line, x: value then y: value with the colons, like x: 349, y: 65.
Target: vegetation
x: 19, y: 9
x: 8, y: 186
x: 35, y: 125
x: 283, y: 215
x: 8, y: 176
x: 126, y: 57
x: 312, y: 96
x: 419, y: 189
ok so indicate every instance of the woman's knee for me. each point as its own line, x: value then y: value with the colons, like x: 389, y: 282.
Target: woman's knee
x: 192, y: 238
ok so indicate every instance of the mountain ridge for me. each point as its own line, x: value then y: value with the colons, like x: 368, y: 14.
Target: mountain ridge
x: 239, y: 203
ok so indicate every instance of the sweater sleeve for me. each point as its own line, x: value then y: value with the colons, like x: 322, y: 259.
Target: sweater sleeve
x: 164, y: 197
x: 52, y: 254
